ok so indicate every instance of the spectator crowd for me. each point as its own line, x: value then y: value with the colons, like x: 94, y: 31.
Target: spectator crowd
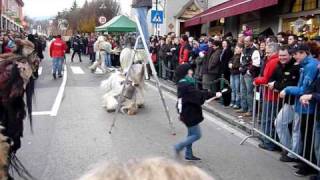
x: 283, y: 67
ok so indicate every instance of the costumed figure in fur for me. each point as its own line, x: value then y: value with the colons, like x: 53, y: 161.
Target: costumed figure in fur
x: 134, y: 90
x: 17, y: 71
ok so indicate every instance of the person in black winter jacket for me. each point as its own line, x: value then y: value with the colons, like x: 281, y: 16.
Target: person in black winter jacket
x: 189, y: 107
x: 77, y: 46
x: 286, y: 74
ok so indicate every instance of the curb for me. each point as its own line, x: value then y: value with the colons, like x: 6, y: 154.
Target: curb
x: 232, y: 120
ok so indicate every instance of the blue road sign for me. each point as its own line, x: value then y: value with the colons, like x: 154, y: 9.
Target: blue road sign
x: 156, y: 17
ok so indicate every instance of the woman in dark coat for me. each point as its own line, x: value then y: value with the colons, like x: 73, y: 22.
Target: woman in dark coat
x: 226, y: 55
x: 190, y: 100
x: 211, y: 68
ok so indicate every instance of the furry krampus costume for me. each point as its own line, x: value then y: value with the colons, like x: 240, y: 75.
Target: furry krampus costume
x: 16, y: 80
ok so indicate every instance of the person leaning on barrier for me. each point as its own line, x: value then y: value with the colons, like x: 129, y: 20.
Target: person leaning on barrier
x: 303, y: 114
x: 314, y: 95
x: 269, y: 97
x: 148, y: 169
x: 286, y: 74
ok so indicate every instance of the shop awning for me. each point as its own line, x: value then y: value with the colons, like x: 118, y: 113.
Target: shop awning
x: 119, y: 23
x: 227, y: 9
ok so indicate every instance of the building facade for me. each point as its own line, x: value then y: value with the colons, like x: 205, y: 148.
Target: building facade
x: 11, y: 12
x: 301, y: 17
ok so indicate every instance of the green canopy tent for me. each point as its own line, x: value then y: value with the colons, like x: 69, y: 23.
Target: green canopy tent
x: 118, y: 24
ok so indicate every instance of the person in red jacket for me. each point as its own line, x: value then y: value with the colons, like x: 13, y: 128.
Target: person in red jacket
x: 270, y: 97
x: 57, y: 52
x: 185, y: 50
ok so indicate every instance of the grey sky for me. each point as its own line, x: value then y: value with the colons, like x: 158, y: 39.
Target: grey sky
x: 44, y: 8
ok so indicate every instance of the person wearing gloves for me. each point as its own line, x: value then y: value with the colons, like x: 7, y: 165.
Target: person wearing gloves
x: 189, y: 107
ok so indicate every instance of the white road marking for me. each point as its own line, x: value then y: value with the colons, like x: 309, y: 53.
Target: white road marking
x: 99, y: 71
x: 57, y: 102
x: 40, y: 71
x: 77, y: 70
x: 41, y: 113
x: 211, y: 118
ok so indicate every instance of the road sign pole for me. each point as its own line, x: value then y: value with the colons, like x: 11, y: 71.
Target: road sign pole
x: 157, y: 21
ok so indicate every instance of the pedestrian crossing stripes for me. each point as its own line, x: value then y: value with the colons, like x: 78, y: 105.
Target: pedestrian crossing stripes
x: 76, y: 70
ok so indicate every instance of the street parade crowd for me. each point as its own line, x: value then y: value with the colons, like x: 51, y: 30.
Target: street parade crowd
x: 284, y: 67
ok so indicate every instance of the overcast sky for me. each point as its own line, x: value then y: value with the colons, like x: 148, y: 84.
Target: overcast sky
x: 44, y: 8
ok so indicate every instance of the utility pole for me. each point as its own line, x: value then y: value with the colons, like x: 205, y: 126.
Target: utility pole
x: 157, y: 24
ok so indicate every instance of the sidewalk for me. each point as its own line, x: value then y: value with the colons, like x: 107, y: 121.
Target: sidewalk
x: 225, y: 113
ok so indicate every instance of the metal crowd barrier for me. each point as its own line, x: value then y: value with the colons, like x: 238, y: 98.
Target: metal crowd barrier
x: 264, y: 110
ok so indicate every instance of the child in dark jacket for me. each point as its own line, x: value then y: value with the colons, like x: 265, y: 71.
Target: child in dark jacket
x: 189, y: 107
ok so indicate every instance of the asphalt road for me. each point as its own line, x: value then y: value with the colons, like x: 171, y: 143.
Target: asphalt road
x: 65, y: 146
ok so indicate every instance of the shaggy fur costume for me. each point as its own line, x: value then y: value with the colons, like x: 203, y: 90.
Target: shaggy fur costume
x: 16, y: 81
x: 115, y: 83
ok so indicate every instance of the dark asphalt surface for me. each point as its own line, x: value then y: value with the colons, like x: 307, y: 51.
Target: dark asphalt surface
x: 65, y: 146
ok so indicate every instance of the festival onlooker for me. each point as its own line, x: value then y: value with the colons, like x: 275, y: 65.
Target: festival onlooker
x: 249, y: 67
x: 270, y: 97
x: 162, y: 57
x: 214, y: 65
x: 91, y: 52
x: 286, y: 74
x: 234, y: 66
x: 185, y: 50
x: 313, y: 94
x: 57, y: 52
x: 77, y: 48
x: 308, y: 74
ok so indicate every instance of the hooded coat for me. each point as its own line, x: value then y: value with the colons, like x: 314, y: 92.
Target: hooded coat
x: 190, y: 98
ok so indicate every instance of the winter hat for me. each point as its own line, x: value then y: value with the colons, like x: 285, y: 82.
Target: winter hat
x: 182, y: 71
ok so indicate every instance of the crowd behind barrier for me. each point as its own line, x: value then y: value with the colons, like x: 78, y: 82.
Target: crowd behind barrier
x: 271, y: 78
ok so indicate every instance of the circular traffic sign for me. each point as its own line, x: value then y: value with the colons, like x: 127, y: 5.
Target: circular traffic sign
x: 102, y: 20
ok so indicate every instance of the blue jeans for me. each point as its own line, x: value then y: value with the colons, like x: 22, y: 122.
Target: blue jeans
x: 296, y: 135
x: 142, y: 13
x: 57, y: 65
x: 268, y: 115
x: 246, y: 92
x: 235, y: 86
x: 194, y: 134
x: 108, y: 60
x: 283, y: 119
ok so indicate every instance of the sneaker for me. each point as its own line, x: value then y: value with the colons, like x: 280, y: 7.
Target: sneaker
x: 231, y: 105
x: 265, y: 147
x: 60, y: 76
x: 54, y: 76
x: 303, y: 172
x: 296, y: 167
x: 285, y: 158
x: 193, y: 158
x: 236, y: 107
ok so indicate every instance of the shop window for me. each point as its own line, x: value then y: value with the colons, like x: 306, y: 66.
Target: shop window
x: 310, y: 4
x: 297, y: 6
x: 304, y: 5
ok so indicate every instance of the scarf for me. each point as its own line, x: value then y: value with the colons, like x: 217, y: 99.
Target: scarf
x: 189, y: 80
